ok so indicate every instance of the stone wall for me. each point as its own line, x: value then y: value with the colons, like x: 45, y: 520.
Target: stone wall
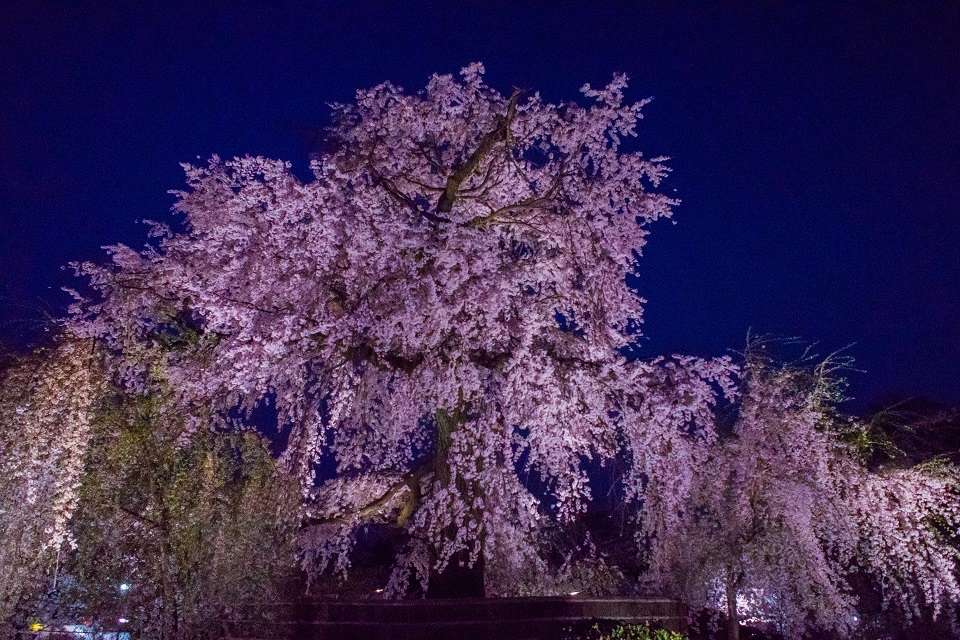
x: 480, y: 619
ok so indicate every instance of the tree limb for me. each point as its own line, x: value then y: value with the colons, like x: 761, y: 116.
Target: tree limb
x: 411, y: 479
x: 461, y: 173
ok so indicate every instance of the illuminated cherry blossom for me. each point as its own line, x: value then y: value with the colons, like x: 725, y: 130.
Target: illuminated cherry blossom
x: 785, y: 512
x: 442, y: 313
x: 445, y: 303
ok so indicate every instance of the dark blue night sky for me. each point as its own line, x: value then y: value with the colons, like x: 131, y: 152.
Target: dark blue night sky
x: 816, y: 148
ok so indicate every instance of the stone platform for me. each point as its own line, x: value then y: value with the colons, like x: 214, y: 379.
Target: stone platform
x: 480, y: 618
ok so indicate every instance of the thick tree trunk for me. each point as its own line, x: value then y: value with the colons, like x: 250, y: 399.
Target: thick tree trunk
x: 733, y: 619
x: 457, y: 580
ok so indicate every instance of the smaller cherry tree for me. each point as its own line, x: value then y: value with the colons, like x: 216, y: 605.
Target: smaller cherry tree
x: 46, y: 403
x: 200, y: 527
x: 785, y: 515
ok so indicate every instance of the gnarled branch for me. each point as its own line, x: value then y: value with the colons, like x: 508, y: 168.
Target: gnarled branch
x: 461, y: 173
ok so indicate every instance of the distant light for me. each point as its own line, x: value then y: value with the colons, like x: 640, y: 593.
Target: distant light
x: 573, y: 593
x: 124, y: 586
x: 379, y: 591
x: 122, y: 620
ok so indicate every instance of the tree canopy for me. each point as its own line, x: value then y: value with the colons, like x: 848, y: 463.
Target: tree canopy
x: 434, y: 332
x: 445, y: 302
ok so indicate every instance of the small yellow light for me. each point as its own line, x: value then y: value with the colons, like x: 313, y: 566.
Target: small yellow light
x: 36, y: 626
